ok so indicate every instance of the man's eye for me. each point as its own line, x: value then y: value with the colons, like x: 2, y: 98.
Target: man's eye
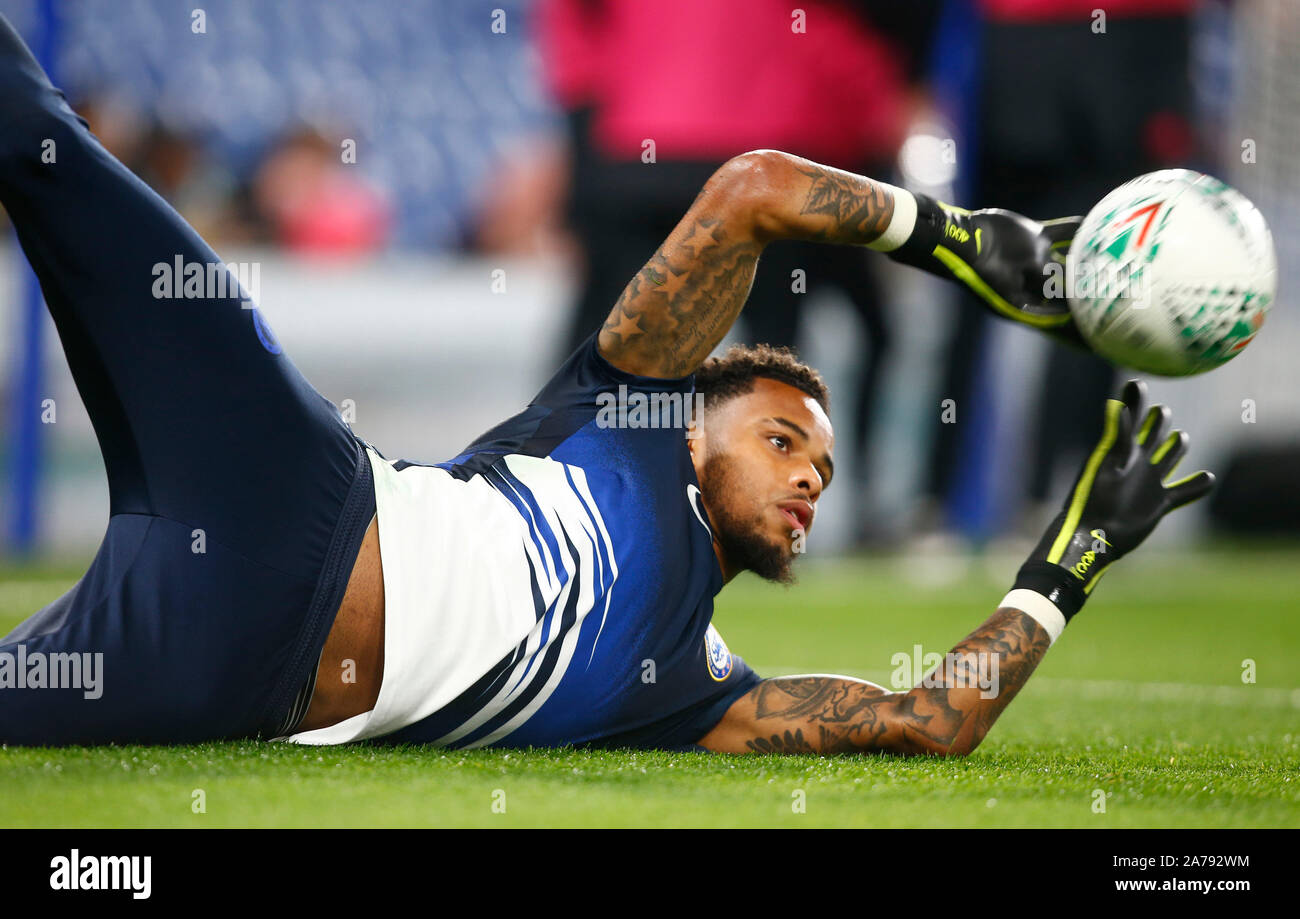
x: 778, y: 440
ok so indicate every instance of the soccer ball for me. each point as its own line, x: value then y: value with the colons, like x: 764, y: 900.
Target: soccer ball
x: 1171, y: 274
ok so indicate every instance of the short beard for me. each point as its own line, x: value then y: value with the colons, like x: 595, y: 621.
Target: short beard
x: 741, y: 540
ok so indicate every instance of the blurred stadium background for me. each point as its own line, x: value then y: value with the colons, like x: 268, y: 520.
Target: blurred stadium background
x: 427, y: 284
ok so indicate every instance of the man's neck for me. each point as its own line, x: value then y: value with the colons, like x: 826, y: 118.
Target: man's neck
x: 727, y: 573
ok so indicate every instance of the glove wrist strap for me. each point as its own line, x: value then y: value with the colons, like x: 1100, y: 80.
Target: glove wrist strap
x: 926, y: 233
x: 902, y: 223
x: 1038, y: 608
x: 1055, y: 583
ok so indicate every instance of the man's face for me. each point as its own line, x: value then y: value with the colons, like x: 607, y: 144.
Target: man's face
x: 763, y: 459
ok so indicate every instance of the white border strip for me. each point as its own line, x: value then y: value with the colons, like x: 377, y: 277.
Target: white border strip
x: 901, y: 224
x: 1039, y: 608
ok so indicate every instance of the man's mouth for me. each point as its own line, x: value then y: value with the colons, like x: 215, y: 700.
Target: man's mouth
x: 799, y: 513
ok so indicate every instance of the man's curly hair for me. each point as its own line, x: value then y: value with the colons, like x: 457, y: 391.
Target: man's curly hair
x: 720, y: 379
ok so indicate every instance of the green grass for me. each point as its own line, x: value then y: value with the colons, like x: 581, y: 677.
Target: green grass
x: 1142, y: 700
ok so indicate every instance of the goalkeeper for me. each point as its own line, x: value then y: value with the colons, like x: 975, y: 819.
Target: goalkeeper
x: 695, y: 287
x: 265, y: 573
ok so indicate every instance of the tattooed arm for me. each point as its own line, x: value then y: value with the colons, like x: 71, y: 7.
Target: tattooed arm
x: 827, y: 714
x: 1118, y: 498
x: 681, y: 304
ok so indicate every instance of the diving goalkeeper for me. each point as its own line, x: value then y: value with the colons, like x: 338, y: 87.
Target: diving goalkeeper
x: 266, y: 573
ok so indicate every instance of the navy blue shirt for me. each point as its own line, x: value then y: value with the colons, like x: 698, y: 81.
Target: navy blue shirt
x: 632, y: 659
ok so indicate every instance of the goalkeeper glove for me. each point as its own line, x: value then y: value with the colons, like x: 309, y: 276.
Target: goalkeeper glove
x: 999, y: 255
x: 1118, y: 498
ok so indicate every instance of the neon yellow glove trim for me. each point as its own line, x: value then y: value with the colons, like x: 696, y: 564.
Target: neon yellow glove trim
x: 966, y: 274
x: 1084, y: 488
x: 1164, y: 448
x: 1087, y: 588
x: 1147, y: 426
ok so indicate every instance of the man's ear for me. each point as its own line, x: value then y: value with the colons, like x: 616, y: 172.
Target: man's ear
x: 695, y: 438
x: 695, y: 444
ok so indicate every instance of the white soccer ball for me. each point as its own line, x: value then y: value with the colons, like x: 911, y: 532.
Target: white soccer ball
x: 1171, y: 274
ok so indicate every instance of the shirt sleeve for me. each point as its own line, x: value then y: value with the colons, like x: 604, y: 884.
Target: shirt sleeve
x: 706, y: 685
x: 585, y: 385
x: 587, y: 373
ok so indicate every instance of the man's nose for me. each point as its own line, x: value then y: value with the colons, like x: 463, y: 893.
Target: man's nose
x: 807, y: 480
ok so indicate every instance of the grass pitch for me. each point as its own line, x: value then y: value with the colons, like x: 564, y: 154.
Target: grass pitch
x: 1142, y: 701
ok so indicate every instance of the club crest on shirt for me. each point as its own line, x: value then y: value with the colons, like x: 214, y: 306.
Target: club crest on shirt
x: 717, y: 655
x: 264, y: 333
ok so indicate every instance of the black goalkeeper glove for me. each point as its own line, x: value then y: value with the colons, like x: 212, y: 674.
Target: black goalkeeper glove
x: 1117, y: 500
x: 1000, y: 256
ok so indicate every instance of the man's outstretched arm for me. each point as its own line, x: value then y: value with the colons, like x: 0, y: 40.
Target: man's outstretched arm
x: 1118, y: 498
x: 829, y: 714
x: 682, y: 303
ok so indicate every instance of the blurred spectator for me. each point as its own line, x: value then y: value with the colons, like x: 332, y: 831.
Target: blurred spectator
x: 316, y: 204
x: 195, y: 183
x: 520, y: 210
x: 117, y: 122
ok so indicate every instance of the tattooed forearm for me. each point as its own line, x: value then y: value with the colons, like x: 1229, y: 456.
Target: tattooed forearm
x: 781, y: 743
x: 859, y: 209
x: 823, y: 714
x: 682, y: 303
